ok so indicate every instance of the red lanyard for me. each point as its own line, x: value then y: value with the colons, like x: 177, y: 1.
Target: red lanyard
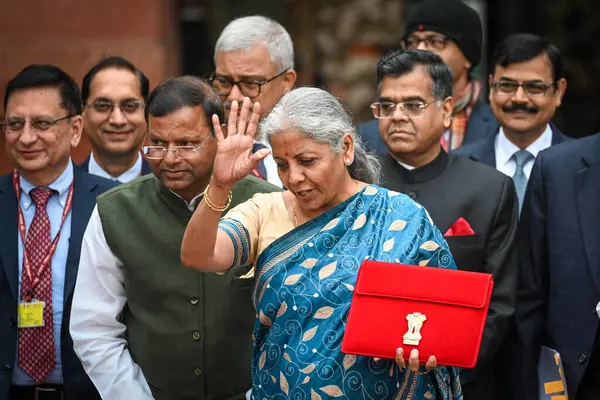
x: 22, y: 230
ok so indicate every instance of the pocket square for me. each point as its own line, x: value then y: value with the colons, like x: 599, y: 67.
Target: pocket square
x: 460, y: 228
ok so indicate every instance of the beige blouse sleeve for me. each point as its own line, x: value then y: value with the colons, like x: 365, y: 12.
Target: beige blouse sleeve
x: 242, y: 225
x: 253, y: 225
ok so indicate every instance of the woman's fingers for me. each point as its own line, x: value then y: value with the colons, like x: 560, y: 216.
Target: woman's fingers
x: 253, y: 122
x: 233, y: 117
x: 431, y: 363
x: 259, y: 155
x: 413, y: 361
x: 400, y: 358
x: 217, y: 128
x: 244, y: 116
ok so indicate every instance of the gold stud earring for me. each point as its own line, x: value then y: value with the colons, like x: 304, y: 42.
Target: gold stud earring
x: 347, y: 161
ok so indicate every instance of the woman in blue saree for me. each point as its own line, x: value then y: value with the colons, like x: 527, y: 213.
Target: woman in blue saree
x: 307, y: 245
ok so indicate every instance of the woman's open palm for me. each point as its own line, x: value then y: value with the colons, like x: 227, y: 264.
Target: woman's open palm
x: 234, y: 160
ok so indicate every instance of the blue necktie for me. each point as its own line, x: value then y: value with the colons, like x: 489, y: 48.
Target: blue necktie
x: 519, y: 178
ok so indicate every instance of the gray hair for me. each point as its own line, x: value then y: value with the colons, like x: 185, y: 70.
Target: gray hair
x: 247, y: 32
x: 320, y: 116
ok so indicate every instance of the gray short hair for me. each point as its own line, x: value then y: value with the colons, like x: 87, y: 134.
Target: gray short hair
x: 247, y: 32
x: 320, y: 116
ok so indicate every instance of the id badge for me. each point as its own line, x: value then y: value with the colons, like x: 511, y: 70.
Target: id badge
x: 31, y: 315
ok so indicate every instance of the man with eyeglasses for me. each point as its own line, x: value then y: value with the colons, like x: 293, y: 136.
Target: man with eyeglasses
x: 254, y: 58
x: 45, y: 205
x: 452, y: 30
x: 474, y: 205
x: 527, y: 85
x: 113, y: 93
x: 188, y: 335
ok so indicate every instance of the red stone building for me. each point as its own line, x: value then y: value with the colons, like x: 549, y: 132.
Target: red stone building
x: 74, y: 35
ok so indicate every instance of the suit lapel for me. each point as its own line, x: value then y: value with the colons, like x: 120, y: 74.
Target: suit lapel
x: 588, y: 185
x: 9, y: 229
x: 85, y: 165
x: 486, y: 153
x: 84, y: 200
x: 261, y: 165
x: 557, y: 135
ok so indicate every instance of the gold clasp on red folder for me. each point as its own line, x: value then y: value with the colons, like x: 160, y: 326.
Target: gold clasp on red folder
x: 415, y: 323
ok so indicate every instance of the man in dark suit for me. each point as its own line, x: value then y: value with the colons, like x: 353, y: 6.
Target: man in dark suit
x: 527, y: 85
x: 472, y: 203
x: 559, y: 255
x: 114, y: 94
x: 452, y: 30
x: 44, y: 208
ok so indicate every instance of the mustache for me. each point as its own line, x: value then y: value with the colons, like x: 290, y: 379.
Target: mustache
x: 519, y: 107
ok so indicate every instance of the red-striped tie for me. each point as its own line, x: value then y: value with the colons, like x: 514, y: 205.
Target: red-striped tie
x: 37, y: 352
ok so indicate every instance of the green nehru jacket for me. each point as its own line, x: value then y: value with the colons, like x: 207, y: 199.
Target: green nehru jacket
x: 190, y: 332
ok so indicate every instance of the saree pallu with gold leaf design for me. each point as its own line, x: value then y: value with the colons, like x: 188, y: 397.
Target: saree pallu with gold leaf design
x: 303, y: 290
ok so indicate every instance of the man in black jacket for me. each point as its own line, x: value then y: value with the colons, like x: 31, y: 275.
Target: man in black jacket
x: 452, y: 30
x: 473, y: 204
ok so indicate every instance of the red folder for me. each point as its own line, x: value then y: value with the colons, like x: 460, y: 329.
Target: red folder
x: 438, y: 311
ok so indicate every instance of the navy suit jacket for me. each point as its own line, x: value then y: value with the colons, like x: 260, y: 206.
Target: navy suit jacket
x: 481, y: 124
x: 559, y: 254
x: 484, y: 152
x: 86, y: 188
x: 145, y: 166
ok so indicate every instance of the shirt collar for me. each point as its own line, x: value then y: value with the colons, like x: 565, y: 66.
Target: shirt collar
x: 506, y: 149
x: 191, y: 205
x: 95, y: 169
x: 425, y: 172
x: 61, y: 185
x: 408, y: 167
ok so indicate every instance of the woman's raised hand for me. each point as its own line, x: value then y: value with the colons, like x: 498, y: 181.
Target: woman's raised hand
x: 234, y: 159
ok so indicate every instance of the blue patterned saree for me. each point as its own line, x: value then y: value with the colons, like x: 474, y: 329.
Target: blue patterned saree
x: 303, y: 290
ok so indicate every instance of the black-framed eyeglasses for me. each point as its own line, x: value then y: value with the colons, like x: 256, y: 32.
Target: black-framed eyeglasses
x: 435, y: 42
x: 531, y: 88
x: 412, y: 109
x: 106, y: 106
x: 40, y: 124
x: 248, y: 88
x: 159, y: 152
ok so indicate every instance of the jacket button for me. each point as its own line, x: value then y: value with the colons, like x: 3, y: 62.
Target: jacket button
x: 194, y: 301
x: 196, y: 336
x: 7, y: 369
x: 582, y: 358
x: 412, y: 194
x: 12, y: 322
x: 197, y: 372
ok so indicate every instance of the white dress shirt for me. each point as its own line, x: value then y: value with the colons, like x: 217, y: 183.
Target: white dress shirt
x: 96, y: 328
x: 191, y: 205
x: 406, y: 166
x: 271, y: 167
x: 54, y: 209
x: 95, y: 169
x: 505, y: 149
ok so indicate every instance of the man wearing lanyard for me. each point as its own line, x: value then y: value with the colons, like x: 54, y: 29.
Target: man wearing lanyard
x: 44, y: 207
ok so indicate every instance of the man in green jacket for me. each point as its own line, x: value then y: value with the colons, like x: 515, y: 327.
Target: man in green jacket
x: 143, y: 325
